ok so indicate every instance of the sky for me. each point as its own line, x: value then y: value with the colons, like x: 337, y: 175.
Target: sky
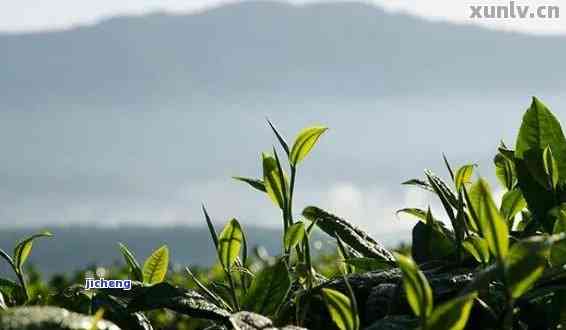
x: 34, y: 15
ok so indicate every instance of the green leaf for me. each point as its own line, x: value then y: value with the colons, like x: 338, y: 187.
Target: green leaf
x: 155, y: 266
x: 304, y: 142
x: 368, y: 264
x: 492, y: 225
x: 452, y: 314
x: 180, y: 300
x: 341, y: 309
x: 280, y: 138
x: 415, y: 212
x: 276, y: 190
x: 23, y: 249
x: 255, y: 183
x: 505, y: 171
x: 417, y: 289
x: 513, y: 202
x: 351, y: 235
x: 478, y: 248
x: 210, y: 226
x: 525, y: 264
x: 550, y: 167
x: 135, y: 268
x: 230, y: 243
x: 268, y: 290
x: 558, y: 250
x: 464, y: 176
x: 541, y: 129
x: 294, y: 235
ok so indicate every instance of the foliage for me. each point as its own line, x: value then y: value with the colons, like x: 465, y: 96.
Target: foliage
x: 484, y: 264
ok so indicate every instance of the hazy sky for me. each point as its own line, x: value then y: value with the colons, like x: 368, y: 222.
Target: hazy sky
x: 25, y: 15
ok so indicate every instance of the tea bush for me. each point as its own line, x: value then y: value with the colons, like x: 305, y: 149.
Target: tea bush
x: 483, y: 264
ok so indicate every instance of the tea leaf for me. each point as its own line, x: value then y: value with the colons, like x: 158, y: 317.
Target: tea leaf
x: 540, y: 129
x: 155, y: 266
x: 513, y: 202
x: 452, y: 314
x: 419, y: 183
x: 525, y: 264
x: 550, y: 167
x: 341, y: 309
x: 304, y: 142
x: 23, y: 249
x: 417, y: 213
x: 230, y: 243
x: 464, y: 176
x: 417, y: 289
x: 276, y: 190
x: 280, y: 138
x: 268, y: 290
x: 478, y: 248
x: 294, y: 235
x: 180, y: 300
x: 492, y: 226
x: 255, y: 183
x: 351, y: 235
x: 505, y: 171
x: 211, y: 295
x: 368, y: 264
x: 210, y: 226
x: 135, y: 267
x: 558, y: 250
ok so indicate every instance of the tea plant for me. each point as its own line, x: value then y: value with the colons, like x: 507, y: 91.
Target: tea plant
x: 484, y: 264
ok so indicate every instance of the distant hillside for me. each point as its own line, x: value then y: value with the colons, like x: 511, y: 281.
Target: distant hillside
x: 75, y: 247
x: 255, y: 48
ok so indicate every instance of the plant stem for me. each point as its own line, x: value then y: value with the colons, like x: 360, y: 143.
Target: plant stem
x: 232, y: 289
x: 291, y: 190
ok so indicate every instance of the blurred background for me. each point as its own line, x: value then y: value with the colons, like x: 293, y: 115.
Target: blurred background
x: 119, y: 118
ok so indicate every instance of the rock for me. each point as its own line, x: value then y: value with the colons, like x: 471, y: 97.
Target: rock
x: 253, y: 321
x: 48, y: 318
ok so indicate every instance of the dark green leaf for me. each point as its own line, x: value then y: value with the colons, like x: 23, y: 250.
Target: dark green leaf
x: 550, y: 167
x: 210, y: 226
x: 351, y: 235
x: 135, y: 268
x: 256, y: 183
x: 513, y: 202
x: 368, y: 264
x: 275, y: 187
x: 478, y: 248
x: 417, y: 289
x: 541, y: 129
x: 417, y: 213
x: 294, y: 235
x: 280, y: 138
x: 341, y: 309
x: 23, y: 249
x: 525, y: 264
x: 492, y: 225
x: 505, y: 171
x: 268, y: 290
x: 452, y: 314
x: 188, y: 302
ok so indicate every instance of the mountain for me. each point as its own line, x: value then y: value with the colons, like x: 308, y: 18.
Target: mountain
x: 138, y: 120
x: 75, y: 247
x: 252, y: 49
